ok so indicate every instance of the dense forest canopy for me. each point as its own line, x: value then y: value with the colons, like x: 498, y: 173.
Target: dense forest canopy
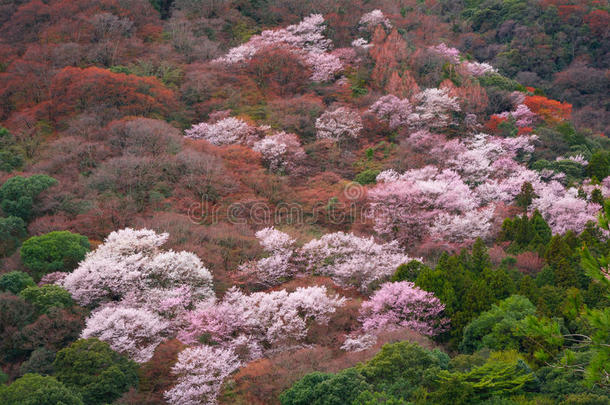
x: 304, y: 202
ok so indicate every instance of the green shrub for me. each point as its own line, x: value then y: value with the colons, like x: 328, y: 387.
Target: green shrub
x: 54, y: 251
x: 18, y: 194
x: 91, y: 367
x: 34, y: 389
x: 15, y: 281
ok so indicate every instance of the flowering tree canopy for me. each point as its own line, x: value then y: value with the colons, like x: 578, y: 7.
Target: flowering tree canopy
x: 261, y: 321
x: 402, y: 305
x: 201, y: 371
x: 339, y: 124
x: 224, y: 132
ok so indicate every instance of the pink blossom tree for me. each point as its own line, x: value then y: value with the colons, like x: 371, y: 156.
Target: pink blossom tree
x: 402, y: 305
x: 281, y: 151
x: 446, y: 52
x: 352, y: 261
x: 275, y: 321
x: 459, y: 228
x: 372, y: 19
x: 523, y: 116
x: 279, y: 265
x: 404, y: 206
x: 227, y: 131
x: 131, y: 331
x: 433, y: 109
x: 392, y: 109
x: 562, y: 208
x: 201, y: 371
x: 305, y: 39
x: 477, y: 68
x: 338, y: 124
x: 130, y: 264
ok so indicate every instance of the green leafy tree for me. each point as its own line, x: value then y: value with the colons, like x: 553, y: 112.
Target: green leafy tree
x: 92, y: 368
x: 18, y: 194
x: 495, y: 329
x: 46, y: 297
x: 54, y: 251
x: 409, y: 271
x: 34, y: 389
x: 11, y: 156
x: 599, y: 165
x: 12, y: 232
x: 15, y: 281
x: 326, y: 389
x: 399, y: 368
x: 39, y: 362
x: 503, y: 374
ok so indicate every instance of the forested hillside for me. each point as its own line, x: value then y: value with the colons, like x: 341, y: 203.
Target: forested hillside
x: 304, y: 202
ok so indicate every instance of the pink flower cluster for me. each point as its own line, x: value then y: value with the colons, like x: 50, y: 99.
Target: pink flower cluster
x: 340, y: 123
x: 305, y: 39
x: 227, y: 131
x: 402, y: 305
x: 281, y: 151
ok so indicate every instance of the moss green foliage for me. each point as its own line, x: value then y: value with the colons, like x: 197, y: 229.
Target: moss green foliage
x: 393, y: 375
x: 409, y: 271
x: 367, y: 176
x: 46, y: 297
x: 11, y: 155
x: 34, y: 389
x: 526, y: 233
x: 91, y: 367
x: 54, y: 251
x: 15, y: 281
x: 18, y: 194
x: 497, y: 328
x: 12, y: 231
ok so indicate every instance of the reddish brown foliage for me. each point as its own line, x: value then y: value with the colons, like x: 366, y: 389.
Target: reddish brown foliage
x: 279, y: 70
x: 74, y: 89
x: 551, y: 111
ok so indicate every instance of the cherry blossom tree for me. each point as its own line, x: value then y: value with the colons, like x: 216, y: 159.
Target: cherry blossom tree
x: 372, y: 19
x: 351, y: 260
x: 305, y: 39
x: 433, y: 109
x: 324, y: 66
x: 404, y: 206
x: 460, y: 228
x: 446, y: 52
x: 392, y: 109
x: 523, y: 116
x: 562, y: 208
x: 131, y: 331
x: 279, y: 265
x: 477, y: 68
x: 227, y: 131
x: 130, y: 264
x: 341, y: 123
x: 281, y: 151
x: 271, y: 321
x: 201, y: 371
x: 402, y: 305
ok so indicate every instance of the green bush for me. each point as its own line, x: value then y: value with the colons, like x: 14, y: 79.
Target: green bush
x: 368, y: 176
x: 46, y: 297
x: 15, y: 281
x: 18, y: 194
x: 409, y: 271
x: 12, y: 231
x: 495, y: 329
x: 91, y: 367
x: 54, y: 251
x: 11, y: 156
x: 34, y: 389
